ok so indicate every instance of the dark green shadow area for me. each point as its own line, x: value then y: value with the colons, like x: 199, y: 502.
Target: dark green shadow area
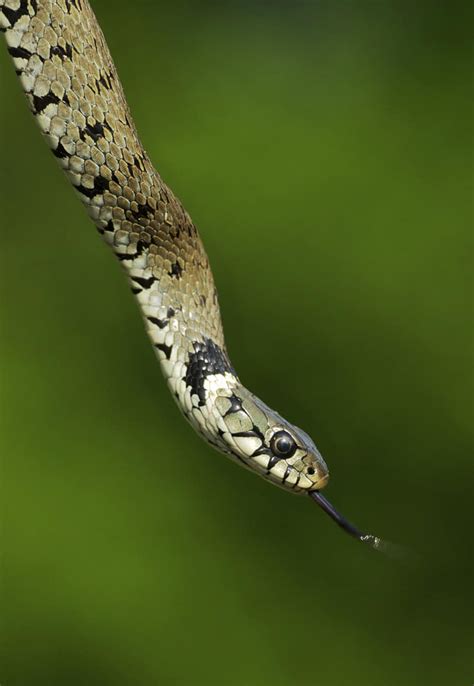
x: 324, y: 149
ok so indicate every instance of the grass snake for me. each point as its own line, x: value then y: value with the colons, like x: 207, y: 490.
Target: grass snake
x: 67, y: 73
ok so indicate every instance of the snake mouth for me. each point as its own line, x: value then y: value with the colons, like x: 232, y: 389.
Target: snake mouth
x: 320, y: 484
x: 373, y: 541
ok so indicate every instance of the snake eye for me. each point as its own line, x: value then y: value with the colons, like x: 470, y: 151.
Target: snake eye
x: 282, y: 444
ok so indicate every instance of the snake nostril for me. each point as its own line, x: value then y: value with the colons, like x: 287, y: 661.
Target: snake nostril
x: 310, y: 471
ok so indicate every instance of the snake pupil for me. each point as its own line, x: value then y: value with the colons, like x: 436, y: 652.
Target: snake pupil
x: 282, y: 444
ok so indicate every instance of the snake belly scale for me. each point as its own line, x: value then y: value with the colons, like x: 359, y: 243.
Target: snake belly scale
x: 73, y: 90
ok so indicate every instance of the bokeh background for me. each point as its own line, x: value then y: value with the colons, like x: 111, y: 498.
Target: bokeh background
x: 324, y: 149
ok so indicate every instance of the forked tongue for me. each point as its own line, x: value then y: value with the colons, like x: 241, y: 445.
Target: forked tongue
x: 370, y: 540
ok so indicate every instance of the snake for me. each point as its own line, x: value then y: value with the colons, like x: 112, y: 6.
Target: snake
x: 73, y: 90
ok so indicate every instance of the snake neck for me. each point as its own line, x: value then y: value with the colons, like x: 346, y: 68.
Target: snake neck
x: 196, y: 367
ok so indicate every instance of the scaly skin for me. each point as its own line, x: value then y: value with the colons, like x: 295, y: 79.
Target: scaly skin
x: 66, y: 71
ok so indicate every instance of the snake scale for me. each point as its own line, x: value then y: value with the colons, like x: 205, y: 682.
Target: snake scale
x: 73, y: 90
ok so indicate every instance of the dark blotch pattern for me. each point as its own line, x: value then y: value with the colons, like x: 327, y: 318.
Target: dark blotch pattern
x: 207, y: 358
x: 60, y: 152
x: 235, y: 405
x: 141, y: 245
x: 61, y: 52
x: 176, y: 270
x: 166, y: 349
x: 145, y: 283
x: 40, y: 102
x: 20, y: 52
x: 100, y: 185
x: 14, y: 15
x: 160, y: 323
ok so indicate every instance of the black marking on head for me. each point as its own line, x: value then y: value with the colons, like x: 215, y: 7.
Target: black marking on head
x: 160, y: 323
x: 135, y: 291
x: 145, y: 283
x: 166, y: 349
x: 286, y: 474
x: 272, y: 462
x: 170, y: 312
x: 109, y: 226
x: 235, y: 405
x: 263, y: 450
x: 208, y: 358
x: 176, y: 270
x: 61, y: 52
x: 20, y: 52
x: 60, y: 152
x: 245, y: 434
x: 254, y: 433
x: 40, y: 102
x: 297, y: 481
x: 220, y: 432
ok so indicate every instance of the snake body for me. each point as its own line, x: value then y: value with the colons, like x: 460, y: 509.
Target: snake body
x: 73, y: 90
x: 68, y: 75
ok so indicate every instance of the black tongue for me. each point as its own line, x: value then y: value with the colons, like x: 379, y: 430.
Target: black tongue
x: 373, y: 541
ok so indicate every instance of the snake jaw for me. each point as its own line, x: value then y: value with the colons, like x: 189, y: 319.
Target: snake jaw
x: 321, y: 483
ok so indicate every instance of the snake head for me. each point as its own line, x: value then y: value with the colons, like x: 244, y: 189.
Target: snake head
x: 263, y: 441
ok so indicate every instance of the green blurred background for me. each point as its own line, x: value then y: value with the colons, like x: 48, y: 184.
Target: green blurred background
x: 325, y: 151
